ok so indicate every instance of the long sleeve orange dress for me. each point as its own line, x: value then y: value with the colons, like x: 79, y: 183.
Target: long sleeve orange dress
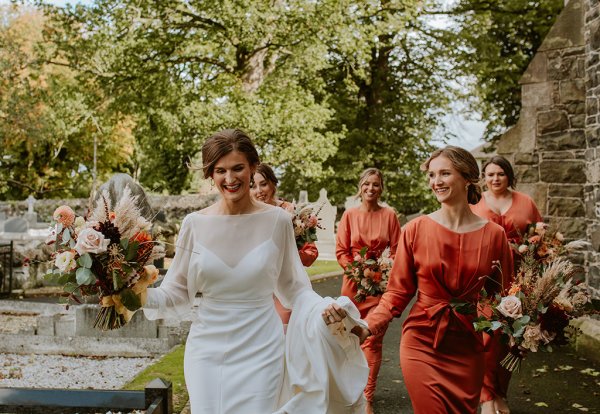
x: 375, y: 230
x: 308, y: 254
x: 521, y: 213
x: 441, y: 355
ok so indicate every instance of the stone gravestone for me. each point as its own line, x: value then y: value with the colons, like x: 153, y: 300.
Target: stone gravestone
x: 115, y: 187
x: 31, y: 215
x: 326, y: 236
x: 16, y: 225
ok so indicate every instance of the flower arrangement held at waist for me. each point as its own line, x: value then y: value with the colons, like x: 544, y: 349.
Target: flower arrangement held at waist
x: 109, y: 254
x: 534, y: 313
x: 370, y: 271
x: 306, y: 222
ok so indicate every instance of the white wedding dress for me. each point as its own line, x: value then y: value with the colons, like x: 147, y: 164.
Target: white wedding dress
x: 237, y: 358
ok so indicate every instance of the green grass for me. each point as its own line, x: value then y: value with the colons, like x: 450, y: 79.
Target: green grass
x: 170, y: 368
x: 323, y: 266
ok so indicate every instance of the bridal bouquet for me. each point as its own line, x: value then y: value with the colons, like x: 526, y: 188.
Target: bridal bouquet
x: 534, y: 313
x: 370, y: 272
x: 108, y: 254
x: 306, y: 221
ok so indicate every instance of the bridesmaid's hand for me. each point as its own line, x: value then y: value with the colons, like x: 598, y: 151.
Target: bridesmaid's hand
x: 333, y: 313
x: 362, y: 333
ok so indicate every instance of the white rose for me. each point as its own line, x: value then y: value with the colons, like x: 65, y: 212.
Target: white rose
x: 91, y: 241
x: 510, y: 306
x: 522, y: 248
x: 65, y: 261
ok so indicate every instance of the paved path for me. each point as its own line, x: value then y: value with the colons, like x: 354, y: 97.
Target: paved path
x: 551, y: 383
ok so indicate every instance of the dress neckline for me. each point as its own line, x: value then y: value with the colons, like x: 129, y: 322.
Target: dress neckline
x: 456, y: 232
x: 260, y: 212
x: 512, y: 203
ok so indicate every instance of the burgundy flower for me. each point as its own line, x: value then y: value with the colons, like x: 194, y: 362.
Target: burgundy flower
x: 555, y: 320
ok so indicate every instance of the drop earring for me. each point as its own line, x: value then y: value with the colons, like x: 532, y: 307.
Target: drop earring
x: 212, y: 183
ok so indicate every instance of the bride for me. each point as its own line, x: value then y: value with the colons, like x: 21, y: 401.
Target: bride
x: 237, y: 253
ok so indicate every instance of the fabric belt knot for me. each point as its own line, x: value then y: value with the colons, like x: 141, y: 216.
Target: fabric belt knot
x: 439, y: 311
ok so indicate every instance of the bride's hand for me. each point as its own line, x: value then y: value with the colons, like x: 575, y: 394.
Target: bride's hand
x: 333, y: 313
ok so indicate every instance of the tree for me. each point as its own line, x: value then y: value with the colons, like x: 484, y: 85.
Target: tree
x: 387, y: 82
x: 46, y: 121
x: 185, y: 69
x: 500, y: 38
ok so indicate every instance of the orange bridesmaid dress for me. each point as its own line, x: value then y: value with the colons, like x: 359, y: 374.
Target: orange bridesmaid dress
x: 441, y: 355
x: 375, y: 230
x: 521, y: 213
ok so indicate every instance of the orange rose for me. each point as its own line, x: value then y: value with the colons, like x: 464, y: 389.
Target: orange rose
x: 377, y: 277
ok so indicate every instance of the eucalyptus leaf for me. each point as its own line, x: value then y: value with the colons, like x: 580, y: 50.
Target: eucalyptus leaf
x: 85, y: 260
x: 85, y: 276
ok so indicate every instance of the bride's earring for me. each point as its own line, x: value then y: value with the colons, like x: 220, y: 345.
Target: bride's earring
x: 252, y: 182
x: 212, y: 183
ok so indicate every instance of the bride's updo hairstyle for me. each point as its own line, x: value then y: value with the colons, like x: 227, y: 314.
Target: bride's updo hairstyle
x: 224, y: 142
x: 464, y: 162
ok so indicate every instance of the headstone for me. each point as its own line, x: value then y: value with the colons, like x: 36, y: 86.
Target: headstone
x: 115, y: 187
x: 16, y: 225
x: 326, y: 236
x: 31, y: 215
x: 303, y: 198
x: 351, y: 201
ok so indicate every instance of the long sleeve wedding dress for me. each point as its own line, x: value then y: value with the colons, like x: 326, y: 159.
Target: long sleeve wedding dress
x: 237, y: 358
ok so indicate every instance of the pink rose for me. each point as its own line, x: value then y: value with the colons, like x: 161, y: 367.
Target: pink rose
x: 91, y: 241
x: 510, y: 306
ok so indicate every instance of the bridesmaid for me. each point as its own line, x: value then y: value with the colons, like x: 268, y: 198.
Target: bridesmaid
x: 375, y: 227
x: 514, y: 211
x: 264, y: 189
x: 449, y: 256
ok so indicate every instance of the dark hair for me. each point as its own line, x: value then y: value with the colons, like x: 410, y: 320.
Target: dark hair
x: 365, y: 175
x: 224, y: 142
x: 503, y: 163
x: 464, y: 162
x: 266, y: 171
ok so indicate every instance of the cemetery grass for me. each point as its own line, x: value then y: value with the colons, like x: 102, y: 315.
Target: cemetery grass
x: 170, y: 368
x: 323, y: 266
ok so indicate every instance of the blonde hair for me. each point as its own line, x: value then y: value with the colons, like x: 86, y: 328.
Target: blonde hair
x: 365, y: 175
x: 464, y: 162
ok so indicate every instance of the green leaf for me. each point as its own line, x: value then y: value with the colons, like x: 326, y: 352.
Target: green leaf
x: 70, y: 287
x: 363, y: 251
x: 85, y: 261
x: 117, y: 282
x: 85, y: 276
x: 130, y: 300
x: 131, y: 253
x: 124, y: 244
x: 66, y: 236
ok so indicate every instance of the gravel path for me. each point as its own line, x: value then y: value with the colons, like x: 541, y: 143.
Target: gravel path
x: 55, y: 371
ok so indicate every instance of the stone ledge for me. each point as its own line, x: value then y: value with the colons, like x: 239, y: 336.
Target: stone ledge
x: 87, y: 346
x: 588, y: 341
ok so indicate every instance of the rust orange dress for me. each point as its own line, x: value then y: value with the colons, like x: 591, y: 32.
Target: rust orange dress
x: 521, y: 213
x: 375, y: 230
x: 441, y: 355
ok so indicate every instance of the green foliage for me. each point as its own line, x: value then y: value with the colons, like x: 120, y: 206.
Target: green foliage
x: 170, y: 368
x: 503, y: 35
x: 48, y: 119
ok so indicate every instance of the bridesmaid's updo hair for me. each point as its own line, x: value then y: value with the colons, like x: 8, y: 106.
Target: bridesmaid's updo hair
x: 224, y: 142
x: 503, y: 163
x: 464, y: 162
x: 365, y: 176
x: 266, y: 171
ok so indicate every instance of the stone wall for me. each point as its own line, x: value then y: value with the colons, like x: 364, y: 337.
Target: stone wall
x: 592, y: 132
x: 555, y: 144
